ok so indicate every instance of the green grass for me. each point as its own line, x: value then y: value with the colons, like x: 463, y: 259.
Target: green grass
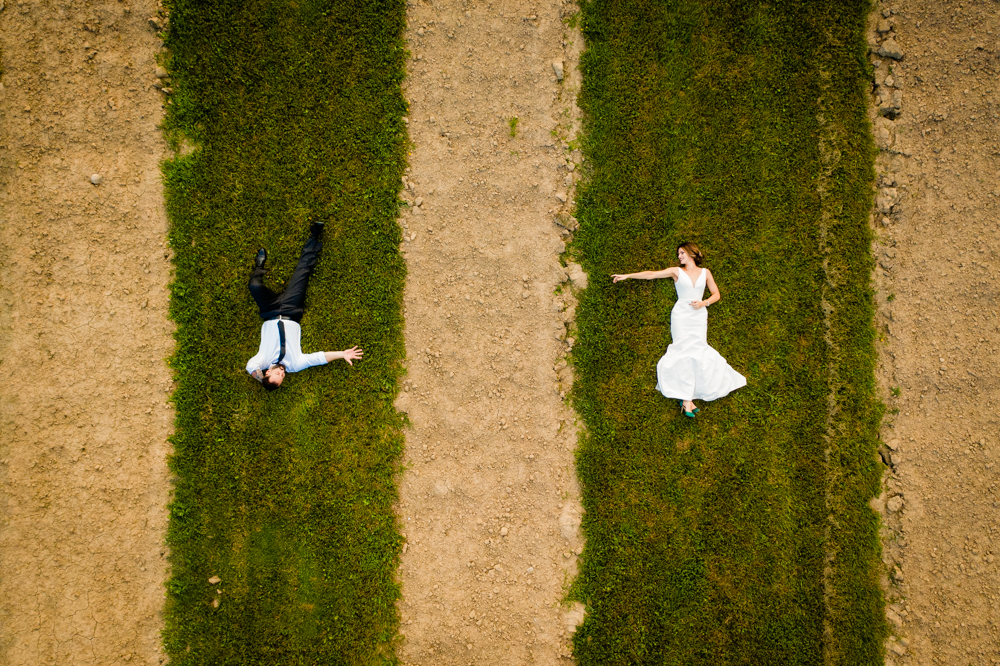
x: 740, y: 126
x: 297, y: 112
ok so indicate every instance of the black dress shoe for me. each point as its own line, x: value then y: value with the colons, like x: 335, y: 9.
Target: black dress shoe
x: 261, y: 257
x: 316, y: 229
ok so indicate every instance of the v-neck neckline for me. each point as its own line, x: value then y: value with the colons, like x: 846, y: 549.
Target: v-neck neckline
x: 689, y: 277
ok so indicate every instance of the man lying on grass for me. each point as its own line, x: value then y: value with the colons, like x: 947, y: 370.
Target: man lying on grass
x: 280, y: 350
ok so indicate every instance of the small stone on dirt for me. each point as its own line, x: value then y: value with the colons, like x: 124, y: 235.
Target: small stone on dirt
x: 161, y: 73
x: 503, y: 531
x: 567, y: 221
x: 890, y: 102
x: 562, y: 197
x: 883, y: 138
x: 557, y: 67
x: 884, y: 133
x: 890, y: 49
x: 886, y: 200
x: 96, y: 179
x: 893, y: 444
x: 574, y: 616
x: 895, y: 504
x: 576, y: 275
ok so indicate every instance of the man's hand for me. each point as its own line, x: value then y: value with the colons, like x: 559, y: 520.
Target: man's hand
x: 349, y: 355
x: 352, y: 354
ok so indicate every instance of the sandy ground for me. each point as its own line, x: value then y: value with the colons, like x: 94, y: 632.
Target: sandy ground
x: 939, y: 257
x: 489, y: 500
x: 83, y: 336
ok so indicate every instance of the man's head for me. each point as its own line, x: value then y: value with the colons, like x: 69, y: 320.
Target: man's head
x: 273, y: 377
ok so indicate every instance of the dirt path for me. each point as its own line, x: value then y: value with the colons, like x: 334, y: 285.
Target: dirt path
x: 939, y: 256
x: 489, y: 504
x: 83, y: 336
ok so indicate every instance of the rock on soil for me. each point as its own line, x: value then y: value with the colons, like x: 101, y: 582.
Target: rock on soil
x: 890, y: 49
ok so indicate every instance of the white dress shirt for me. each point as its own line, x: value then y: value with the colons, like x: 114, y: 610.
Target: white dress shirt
x: 270, y: 348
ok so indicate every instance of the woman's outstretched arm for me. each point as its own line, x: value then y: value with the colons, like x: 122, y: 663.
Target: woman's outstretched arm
x: 647, y: 275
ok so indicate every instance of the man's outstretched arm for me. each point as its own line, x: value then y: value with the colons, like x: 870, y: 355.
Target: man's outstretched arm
x: 349, y: 355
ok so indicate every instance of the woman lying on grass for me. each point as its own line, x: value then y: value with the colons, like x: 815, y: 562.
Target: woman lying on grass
x: 690, y: 370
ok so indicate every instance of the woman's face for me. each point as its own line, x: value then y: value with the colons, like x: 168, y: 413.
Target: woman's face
x: 682, y: 257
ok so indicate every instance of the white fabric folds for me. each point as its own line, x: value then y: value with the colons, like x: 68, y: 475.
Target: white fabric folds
x: 691, y: 370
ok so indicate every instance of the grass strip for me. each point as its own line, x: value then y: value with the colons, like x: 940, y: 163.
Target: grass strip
x: 740, y: 126
x: 296, y: 110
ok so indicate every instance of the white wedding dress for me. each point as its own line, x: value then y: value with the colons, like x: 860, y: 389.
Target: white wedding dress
x: 691, y: 370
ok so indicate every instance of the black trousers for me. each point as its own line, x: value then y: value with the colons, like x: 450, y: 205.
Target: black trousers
x: 291, y: 302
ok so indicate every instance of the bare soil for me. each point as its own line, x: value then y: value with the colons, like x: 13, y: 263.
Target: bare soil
x: 938, y: 256
x: 489, y: 501
x: 84, y: 335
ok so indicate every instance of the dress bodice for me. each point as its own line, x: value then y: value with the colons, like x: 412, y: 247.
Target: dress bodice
x: 688, y: 291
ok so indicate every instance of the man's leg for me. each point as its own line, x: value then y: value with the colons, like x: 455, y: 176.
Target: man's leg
x: 293, y: 300
x: 267, y: 301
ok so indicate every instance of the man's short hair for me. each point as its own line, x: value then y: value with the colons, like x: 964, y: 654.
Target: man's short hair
x: 267, y: 383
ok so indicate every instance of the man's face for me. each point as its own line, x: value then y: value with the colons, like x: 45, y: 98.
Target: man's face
x: 275, y: 374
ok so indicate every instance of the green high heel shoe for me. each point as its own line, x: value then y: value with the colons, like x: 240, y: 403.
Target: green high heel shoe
x: 688, y: 414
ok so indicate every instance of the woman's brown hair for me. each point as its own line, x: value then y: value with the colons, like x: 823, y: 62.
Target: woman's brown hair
x: 693, y: 252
